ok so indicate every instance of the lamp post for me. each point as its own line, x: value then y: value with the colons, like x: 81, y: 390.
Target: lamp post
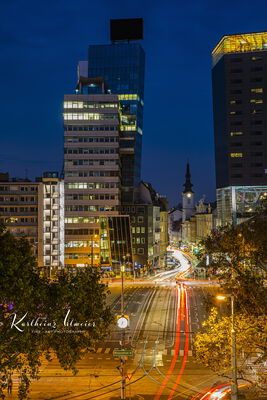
x: 234, y: 387
x: 123, y: 394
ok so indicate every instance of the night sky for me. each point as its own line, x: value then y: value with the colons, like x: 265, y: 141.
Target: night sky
x: 41, y: 43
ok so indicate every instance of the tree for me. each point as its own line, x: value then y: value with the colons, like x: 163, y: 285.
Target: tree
x: 238, y: 258
x: 35, y: 314
x: 213, y: 345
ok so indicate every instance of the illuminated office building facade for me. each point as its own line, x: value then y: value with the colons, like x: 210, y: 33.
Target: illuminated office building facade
x: 92, y: 173
x: 122, y: 65
x: 239, y: 78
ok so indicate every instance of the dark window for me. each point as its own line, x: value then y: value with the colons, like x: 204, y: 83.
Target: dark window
x: 236, y: 144
x: 236, y: 91
x: 254, y: 69
x: 256, y: 153
x: 235, y: 70
x: 256, y: 143
x: 236, y: 123
x: 237, y: 176
x: 236, y: 81
x: 237, y: 165
x: 256, y: 164
x: 256, y: 122
x: 256, y: 175
x: 256, y: 80
x: 256, y: 133
x: 236, y: 59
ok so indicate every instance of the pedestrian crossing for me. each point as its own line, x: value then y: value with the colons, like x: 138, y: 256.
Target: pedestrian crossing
x: 165, y: 352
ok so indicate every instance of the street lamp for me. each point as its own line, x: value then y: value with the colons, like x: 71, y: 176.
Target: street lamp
x: 234, y: 387
x: 122, y: 323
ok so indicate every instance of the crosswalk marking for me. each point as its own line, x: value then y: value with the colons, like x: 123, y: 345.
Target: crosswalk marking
x: 164, y: 352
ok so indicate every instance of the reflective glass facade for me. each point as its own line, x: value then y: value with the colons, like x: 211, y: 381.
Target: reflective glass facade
x: 122, y: 66
x: 237, y: 203
x: 119, y: 229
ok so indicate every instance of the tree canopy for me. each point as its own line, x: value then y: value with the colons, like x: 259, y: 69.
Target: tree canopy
x: 238, y: 259
x: 213, y: 346
x: 39, y: 318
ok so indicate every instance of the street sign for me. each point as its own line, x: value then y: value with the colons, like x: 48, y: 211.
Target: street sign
x: 122, y: 353
x: 129, y: 376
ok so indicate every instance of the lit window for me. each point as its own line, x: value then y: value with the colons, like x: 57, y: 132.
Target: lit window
x: 258, y: 90
x: 236, y: 155
x: 128, y: 127
x: 257, y: 101
x: 88, y: 116
x: 128, y: 97
x: 235, y: 112
x: 256, y: 58
x: 236, y: 133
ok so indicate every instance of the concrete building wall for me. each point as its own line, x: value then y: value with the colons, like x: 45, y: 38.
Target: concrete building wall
x: 35, y: 210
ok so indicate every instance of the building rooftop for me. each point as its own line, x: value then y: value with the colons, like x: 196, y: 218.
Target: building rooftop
x: 240, y: 43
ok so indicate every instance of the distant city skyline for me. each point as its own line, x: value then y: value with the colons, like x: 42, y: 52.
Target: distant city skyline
x: 41, y: 43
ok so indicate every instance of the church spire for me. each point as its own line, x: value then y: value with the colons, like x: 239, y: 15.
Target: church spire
x: 188, y: 185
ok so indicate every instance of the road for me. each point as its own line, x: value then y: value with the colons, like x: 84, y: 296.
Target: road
x: 164, y: 317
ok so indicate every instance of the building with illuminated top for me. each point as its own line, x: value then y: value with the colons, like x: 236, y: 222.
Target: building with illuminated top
x: 239, y: 80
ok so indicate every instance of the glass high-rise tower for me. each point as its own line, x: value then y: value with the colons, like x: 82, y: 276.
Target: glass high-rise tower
x: 122, y: 65
x: 240, y: 124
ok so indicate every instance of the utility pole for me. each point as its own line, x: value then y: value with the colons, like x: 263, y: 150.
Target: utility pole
x: 234, y: 387
x: 234, y: 393
x: 92, y: 252
x: 123, y: 395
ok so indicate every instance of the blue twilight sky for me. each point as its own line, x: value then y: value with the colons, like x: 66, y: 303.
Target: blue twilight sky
x: 41, y: 43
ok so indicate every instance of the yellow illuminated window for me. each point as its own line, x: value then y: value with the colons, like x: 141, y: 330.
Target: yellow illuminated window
x: 236, y: 155
x: 257, y: 90
x: 256, y: 101
x: 236, y: 133
x: 241, y: 43
x: 128, y: 127
x: 128, y: 97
